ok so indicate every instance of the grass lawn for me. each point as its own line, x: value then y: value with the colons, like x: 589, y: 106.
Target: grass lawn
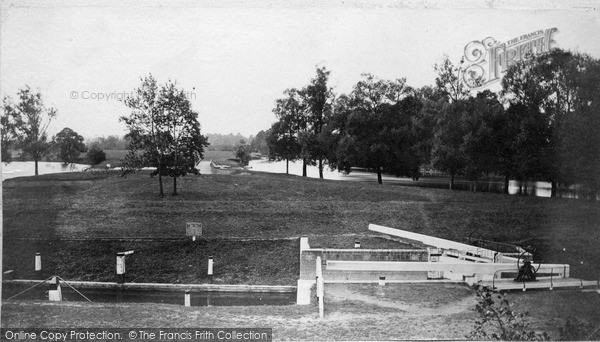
x: 352, y: 312
x: 251, y: 223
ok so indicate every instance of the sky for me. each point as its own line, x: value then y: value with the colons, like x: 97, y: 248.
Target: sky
x: 234, y: 59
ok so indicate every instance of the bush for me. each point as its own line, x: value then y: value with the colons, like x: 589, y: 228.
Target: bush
x: 96, y: 156
x: 498, y: 322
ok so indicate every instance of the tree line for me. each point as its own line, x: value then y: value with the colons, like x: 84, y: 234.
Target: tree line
x: 542, y: 126
x: 25, y: 124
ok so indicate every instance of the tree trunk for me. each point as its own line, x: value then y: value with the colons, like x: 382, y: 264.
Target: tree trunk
x: 554, y: 189
x: 36, y: 166
x: 452, y: 181
x: 379, y: 179
x: 303, y: 167
x: 506, y: 183
x: 160, y: 185
x: 321, y: 168
x: 174, y: 186
x: 287, y: 166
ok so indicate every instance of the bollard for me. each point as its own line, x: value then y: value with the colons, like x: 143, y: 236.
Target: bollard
x: 38, y: 265
x: 524, y: 287
x: 54, y: 292
x: 321, y: 284
x: 210, y: 268
x: 187, y: 300
x: 381, y: 281
x: 193, y: 238
x: 120, y: 268
x: 356, y: 244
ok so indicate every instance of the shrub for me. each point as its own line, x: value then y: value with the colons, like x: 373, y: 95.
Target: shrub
x: 96, y: 155
x: 497, y: 321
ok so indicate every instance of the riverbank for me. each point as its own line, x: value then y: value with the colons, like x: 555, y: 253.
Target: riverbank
x: 271, y: 206
x: 251, y: 223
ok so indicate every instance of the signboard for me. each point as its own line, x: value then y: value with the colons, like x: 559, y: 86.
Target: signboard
x: 193, y: 229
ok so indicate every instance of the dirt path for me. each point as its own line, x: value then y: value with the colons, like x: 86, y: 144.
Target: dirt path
x: 342, y: 292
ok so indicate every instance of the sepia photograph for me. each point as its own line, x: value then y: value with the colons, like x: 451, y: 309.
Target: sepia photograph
x: 321, y: 170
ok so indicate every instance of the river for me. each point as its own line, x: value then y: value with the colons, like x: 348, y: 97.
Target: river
x: 540, y: 189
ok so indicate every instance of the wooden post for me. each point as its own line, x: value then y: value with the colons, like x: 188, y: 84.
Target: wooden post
x: 38, y: 265
x: 320, y: 285
x: 120, y: 268
x: 187, y: 300
x: 210, y: 268
x: 54, y: 292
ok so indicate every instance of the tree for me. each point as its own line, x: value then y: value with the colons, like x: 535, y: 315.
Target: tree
x: 179, y: 132
x: 449, y: 80
x: 145, y: 147
x: 69, y: 145
x: 164, y: 132
x: 242, y: 152
x: 283, y: 144
x: 289, y: 136
x: 28, y: 121
x: 318, y: 97
x: 446, y: 154
x: 8, y: 133
x: 96, y: 155
x: 554, y: 90
x: 259, y: 143
x: 374, y: 129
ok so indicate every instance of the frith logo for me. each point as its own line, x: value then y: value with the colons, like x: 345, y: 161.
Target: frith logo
x: 488, y: 59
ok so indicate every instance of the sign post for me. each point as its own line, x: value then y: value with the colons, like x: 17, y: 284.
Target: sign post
x: 193, y: 229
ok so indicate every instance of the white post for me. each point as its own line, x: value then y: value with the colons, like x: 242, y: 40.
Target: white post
x: 55, y: 293
x: 187, y: 301
x: 321, y: 297
x: 193, y: 238
x: 120, y: 267
x: 381, y: 280
x: 356, y: 244
x: 38, y: 262
x: 320, y: 285
x: 210, y: 268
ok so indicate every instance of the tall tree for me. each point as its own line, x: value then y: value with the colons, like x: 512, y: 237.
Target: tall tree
x: 283, y: 144
x: 145, y: 145
x: 551, y: 89
x: 447, y: 154
x: 29, y: 120
x: 374, y: 128
x: 164, y: 132
x: 318, y: 97
x: 291, y: 136
x: 69, y: 145
x: 179, y: 132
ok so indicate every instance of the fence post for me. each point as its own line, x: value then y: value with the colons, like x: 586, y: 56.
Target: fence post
x: 320, y: 285
x: 210, y: 268
x: 187, y: 301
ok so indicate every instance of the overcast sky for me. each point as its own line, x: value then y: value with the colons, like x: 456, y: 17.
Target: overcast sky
x: 236, y: 59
